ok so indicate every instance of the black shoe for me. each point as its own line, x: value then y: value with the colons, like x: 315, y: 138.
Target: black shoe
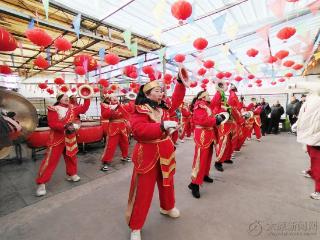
x: 228, y: 161
x: 208, y: 179
x: 195, y: 190
x: 218, y: 166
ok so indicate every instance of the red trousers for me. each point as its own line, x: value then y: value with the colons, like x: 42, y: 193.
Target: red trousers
x: 315, y: 166
x: 140, y: 196
x: 186, y: 130
x: 201, y: 164
x: 237, y: 138
x: 51, y: 160
x: 111, y: 146
x: 174, y: 136
x: 257, y: 130
x: 227, y: 152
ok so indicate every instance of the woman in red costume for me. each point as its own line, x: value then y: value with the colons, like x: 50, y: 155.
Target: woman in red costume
x: 118, y: 130
x: 186, y: 122
x: 255, y: 121
x: 153, y: 155
x: 205, y: 138
x: 62, y: 140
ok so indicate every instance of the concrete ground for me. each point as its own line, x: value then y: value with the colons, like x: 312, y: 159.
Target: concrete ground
x: 261, y: 196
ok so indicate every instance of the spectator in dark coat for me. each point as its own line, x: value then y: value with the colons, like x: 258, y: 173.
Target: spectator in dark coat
x: 276, y: 112
x: 264, y: 116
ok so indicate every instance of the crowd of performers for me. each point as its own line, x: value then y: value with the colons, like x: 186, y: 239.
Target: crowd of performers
x: 219, y: 125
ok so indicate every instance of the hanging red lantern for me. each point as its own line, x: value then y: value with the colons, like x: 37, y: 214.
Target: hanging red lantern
x: 181, y: 10
x: 127, y: 70
x: 59, y: 81
x: 42, y: 86
x: 103, y: 82
x: 297, y: 67
x: 39, y: 37
x: 250, y: 85
x: 193, y: 84
x: 220, y: 75
x: 202, y: 71
x: 62, y: 44
x: 108, y: 91
x: 133, y: 85
x: 147, y: 70
x: 96, y: 89
x: 208, y: 64
x: 133, y: 75
x: 288, y: 75
x: 73, y: 90
x: 112, y: 59
x: 259, y: 85
x: 155, y: 76
x: 282, y: 54
x: 288, y: 63
x: 80, y: 70
x: 5, y: 69
x: 272, y: 59
x: 7, y: 41
x: 64, y: 88
x: 252, y: 52
x: 258, y: 81
x: 113, y: 87
x: 50, y: 91
x: 281, y: 80
x: 205, y: 81
x: 238, y: 78
x: 179, y: 58
x: 41, y: 63
x: 273, y: 83
x: 168, y: 87
x: 251, y: 76
x: 200, y: 43
x: 167, y: 78
x: 286, y: 33
x: 82, y: 59
x: 227, y: 74
x: 204, y: 86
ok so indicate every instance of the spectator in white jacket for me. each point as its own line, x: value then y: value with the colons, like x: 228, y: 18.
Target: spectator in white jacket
x: 308, y: 130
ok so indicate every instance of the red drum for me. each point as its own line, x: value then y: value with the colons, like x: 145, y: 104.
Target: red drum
x: 39, y: 137
x: 90, y: 132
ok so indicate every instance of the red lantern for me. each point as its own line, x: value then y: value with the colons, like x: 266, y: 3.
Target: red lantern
x: 288, y: 75
x: 112, y: 59
x: 62, y: 44
x: 288, y: 63
x: 133, y: 85
x: 133, y: 75
x: 73, y: 90
x: 41, y: 63
x: 227, y: 74
x: 181, y: 10
x: 251, y: 76
x: 96, y: 89
x: 238, y: 78
x: 64, y: 88
x: 200, y: 43
x: 282, y: 54
x: 202, y: 71
x: 59, y: 81
x: 252, y: 52
x: 193, y: 84
x: 7, y: 41
x: 147, y: 70
x: 205, y: 81
x: 80, y: 60
x: 5, y: 69
x: 297, y: 67
x: 168, y: 87
x: 167, y: 78
x: 50, y: 91
x: 250, y: 85
x: 272, y: 59
x: 80, y: 70
x: 220, y: 75
x: 156, y: 75
x: 179, y: 58
x: 113, y: 87
x: 286, y: 33
x: 273, y: 83
x: 103, y: 82
x: 127, y: 70
x: 39, y: 37
x: 281, y: 80
x: 42, y: 86
x: 204, y: 86
x: 258, y: 81
x: 259, y: 85
x: 208, y: 64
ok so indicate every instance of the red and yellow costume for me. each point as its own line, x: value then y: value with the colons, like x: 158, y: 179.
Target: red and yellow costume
x: 173, y: 117
x: 205, y: 138
x: 59, y: 142
x: 117, y: 130
x: 224, y: 145
x: 153, y: 158
x: 237, y: 133
x: 186, y: 121
x: 254, y: 123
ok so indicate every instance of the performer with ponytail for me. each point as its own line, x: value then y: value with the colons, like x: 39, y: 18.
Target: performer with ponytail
x: 153, y: 155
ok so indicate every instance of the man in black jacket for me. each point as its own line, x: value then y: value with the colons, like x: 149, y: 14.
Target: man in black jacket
x: 264, y: 116
x: 276, y: 112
